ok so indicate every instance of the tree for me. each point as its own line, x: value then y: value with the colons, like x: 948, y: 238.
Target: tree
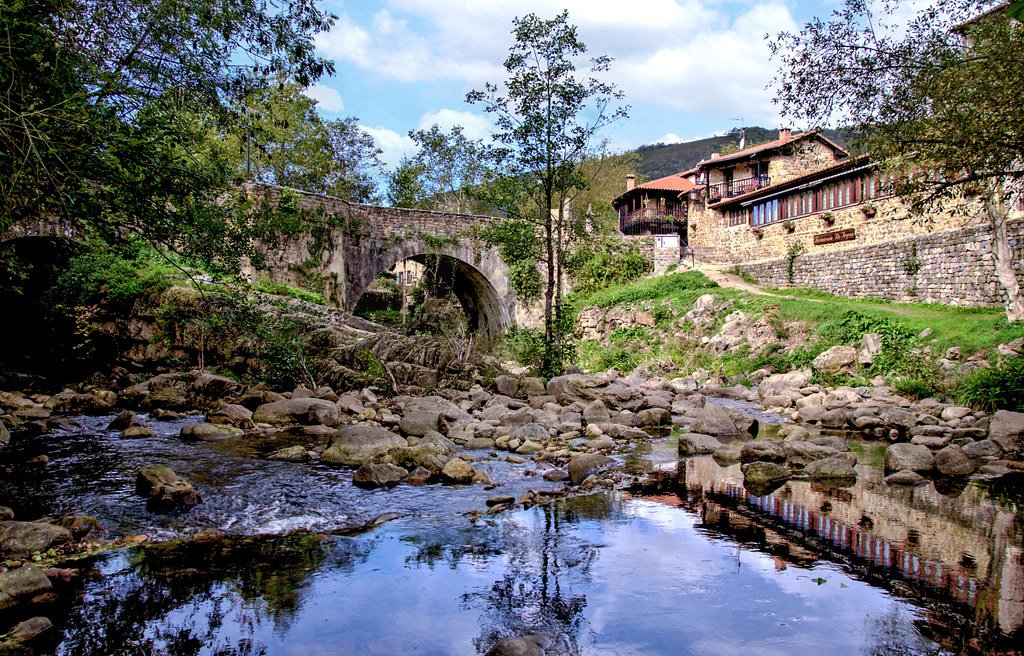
x: 454, y: 169
x: 281, y: 139
x: 547, y: 118
x: 405, y: 185
x: 106, y: 109
x: 937, y: 99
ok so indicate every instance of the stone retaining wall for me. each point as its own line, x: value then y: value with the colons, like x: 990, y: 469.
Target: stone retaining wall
x: 954, y: 267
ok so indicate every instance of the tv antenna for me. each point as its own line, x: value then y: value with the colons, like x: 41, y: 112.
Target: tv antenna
x: 743, y: 132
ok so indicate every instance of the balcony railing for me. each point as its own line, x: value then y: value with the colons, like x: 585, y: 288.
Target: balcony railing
x: 736, y: 188
x: 654, y: 222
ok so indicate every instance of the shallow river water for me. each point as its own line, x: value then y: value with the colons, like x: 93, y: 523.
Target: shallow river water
x: 688, y: 563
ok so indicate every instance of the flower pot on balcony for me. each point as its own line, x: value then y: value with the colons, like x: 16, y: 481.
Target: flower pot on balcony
x: 869, y: 211
x: 828, y: 218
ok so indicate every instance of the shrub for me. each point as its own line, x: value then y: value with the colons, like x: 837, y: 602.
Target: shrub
x: 104, y: 275
x: 1000, y: 387
x: 915, y: 388
x: 524, y: 345
x: 605, y: 262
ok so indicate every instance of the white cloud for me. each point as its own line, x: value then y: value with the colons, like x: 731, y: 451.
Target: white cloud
x: 670, y: 138
x: 475, y: 126
x: 327, y: 98
x: 394, y: 146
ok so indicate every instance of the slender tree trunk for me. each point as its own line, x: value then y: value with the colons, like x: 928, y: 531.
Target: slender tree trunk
x: 997, y: 208
x: 559, y: 336
x: 549, y: 363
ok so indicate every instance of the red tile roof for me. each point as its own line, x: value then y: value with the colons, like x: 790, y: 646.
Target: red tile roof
x: 676, y: 182
x: 778, y: 143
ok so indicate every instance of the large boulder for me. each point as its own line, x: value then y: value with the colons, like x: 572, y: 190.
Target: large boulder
x: 982, y: 449
x: 952, y: 461
x: 835, y: 360
x: 760, y: 473
x: 359, y: 444
x: 910, y: 457
x: 457, y: 470
x: 420, y: 422
x: 22, y: 539
x: 715, y: 420
x: 831, y: 468
x: 5, y: 435
x: 209, y: 432
x: 697, y: 444
x: 763, y: 450
x: 596, y: 413
x: 1007, y: 424
x: 297, y: 411
x: 209, y: 387
x: 164, y: 490
x: 779, y: 383
x: 25, y: 581
x: 529, y: 645
x: 801, y: 454
x: 376, y: 474
x: 447, y: 410
x: 582, y: 466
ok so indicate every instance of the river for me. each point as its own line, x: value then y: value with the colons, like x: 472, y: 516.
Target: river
x: 686, y: 563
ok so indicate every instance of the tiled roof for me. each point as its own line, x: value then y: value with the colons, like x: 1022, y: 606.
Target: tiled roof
x: 676, y: 182
x: 851, y: 162
x: 778, y: 143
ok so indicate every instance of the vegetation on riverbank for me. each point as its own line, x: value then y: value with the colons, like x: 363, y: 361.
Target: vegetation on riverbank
x: 915, y: 338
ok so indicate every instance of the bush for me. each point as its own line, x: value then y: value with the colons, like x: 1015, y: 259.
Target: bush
x: 104, y: 275
x: 524, y: 345
x: 1000, y: 387
x: 914, y: 388
x: 605, y: 262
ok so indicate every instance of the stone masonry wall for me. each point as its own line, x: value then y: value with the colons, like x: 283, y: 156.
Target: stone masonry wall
x: 954, y: 267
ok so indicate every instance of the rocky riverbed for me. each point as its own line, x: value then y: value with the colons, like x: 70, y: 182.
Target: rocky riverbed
x: 474, y: 452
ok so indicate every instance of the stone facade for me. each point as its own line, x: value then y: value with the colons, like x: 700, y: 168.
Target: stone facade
x: 662, y: 250
x: 954, y: 267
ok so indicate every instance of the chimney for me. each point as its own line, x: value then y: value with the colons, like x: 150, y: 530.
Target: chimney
x: 785, y: 133
x: 630, y: 182
x: 715, y: 155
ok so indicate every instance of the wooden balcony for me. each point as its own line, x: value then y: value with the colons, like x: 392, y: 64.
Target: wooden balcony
x: 654, y: 222
x: 724, y: 190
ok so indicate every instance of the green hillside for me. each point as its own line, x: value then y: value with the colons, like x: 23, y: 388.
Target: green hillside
x: 659, y: 160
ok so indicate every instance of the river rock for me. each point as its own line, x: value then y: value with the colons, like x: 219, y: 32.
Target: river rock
x: 952, y: 461
x: 506, y: 385
x: 715, y: 420
x: 295, y: 453
x: 780, y: 383
x: 912, y: 457
x: 5, y: 435
x: 447, y: 410
x: 83, y: 527
x: 764, y: 450
x: 29, y: 629
x: 137, y: 432
x: 125, y: 420
x: 833, y: 468
x: 697, y: 444
x: 831, y: 441
x: 418, y: 422
x: 231, y: 413
x: 582, y: 466
x: 899, y: 418
x: 982, y: 449
x: 602, y: 443
x: 375, y: 474
x: 22, y: 539
x: 835, y: 418
x: 359, y: 444
x: 529, y: 645
x: 210, y: 432
x: 25, y: 581
x: 531, y: 432
x: 655, y: 417
x: 761, y: 473
x: 1007, y: 424
x: 726, y: 454
x: 529, y: 446
x: 207, y: 387
x: 297, y: 411
x: 801, y: 454
x: 905, y: 477
x: 457, y: 470
x: 68, y: 402
x: 533, y: 386
x: 870, y: 346
x: 596, y: 413
x: 164, y: 490
x: 418, y: 476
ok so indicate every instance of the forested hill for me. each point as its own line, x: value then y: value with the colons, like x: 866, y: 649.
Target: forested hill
x: 659, y: 160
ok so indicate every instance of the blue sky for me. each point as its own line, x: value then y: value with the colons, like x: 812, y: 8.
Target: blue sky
x: 688, y: 68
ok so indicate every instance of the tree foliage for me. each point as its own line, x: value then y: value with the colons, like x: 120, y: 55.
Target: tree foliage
x: 547, y: 118
x: 106, y: 108
x: 935, y: 96
x: 281, y: 139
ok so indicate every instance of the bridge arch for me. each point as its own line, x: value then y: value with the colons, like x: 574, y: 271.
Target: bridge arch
x: 480, y: 278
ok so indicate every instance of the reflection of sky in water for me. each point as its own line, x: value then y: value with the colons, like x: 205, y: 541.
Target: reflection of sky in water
x: 644, y: 581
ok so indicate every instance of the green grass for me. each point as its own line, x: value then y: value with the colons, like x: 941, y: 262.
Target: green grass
x: 277, y: 289
x: 835, y: 320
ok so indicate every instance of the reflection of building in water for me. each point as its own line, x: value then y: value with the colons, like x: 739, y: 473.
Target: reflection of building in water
x: 967, y: 547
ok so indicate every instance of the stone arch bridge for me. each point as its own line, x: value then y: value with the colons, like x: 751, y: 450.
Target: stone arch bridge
x: 338, y: 248
x: 343, y: 246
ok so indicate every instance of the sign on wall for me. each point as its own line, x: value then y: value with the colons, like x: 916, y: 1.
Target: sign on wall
x: 846, y: 234
x: 666, y: 241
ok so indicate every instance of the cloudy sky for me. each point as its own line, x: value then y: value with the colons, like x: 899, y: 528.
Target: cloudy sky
x: 689, y: 68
